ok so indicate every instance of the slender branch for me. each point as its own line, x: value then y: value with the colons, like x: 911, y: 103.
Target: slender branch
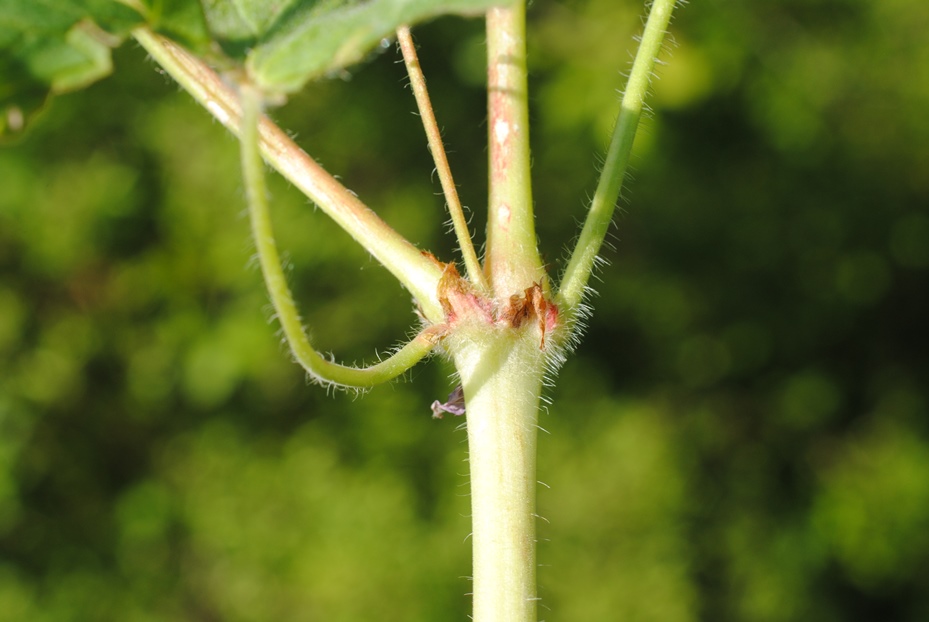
x: 512, y: 261
x: 576, y: 275
x: 315, y: 364
x: 434, y: 136
x: 418, y: 273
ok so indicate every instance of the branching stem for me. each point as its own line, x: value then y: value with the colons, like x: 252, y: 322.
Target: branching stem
x: 434, y: 136
x: 501, y: 364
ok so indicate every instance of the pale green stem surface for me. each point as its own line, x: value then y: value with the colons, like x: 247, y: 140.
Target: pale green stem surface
x: 512, y: 260
x: 501, y: 369
x: 314, y: 363
x: 434, y: 136
x: 418, y: 273
x: 577, y: 274
x: 501, y: 374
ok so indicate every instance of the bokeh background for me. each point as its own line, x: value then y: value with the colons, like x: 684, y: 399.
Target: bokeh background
x: 743, y: 434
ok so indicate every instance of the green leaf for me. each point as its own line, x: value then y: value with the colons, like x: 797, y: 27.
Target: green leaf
x: 49, y: 46
x: 305, y: 39
x: 34, y: 18
x: 181, y: 20
x: 79, y: 59
x: 232, y: 20
x: 52, y: 46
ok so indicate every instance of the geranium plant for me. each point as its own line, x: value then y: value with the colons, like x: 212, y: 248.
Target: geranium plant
x: 501, y: 319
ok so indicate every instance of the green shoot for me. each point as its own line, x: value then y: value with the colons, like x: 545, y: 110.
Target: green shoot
x: 577, y: 274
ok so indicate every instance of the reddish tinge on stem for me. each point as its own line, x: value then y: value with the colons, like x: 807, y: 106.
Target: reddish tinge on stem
x: 462, y: 303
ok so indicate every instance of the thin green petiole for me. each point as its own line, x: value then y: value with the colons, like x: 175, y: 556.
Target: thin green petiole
x: 313, y: 362
x: 576, y: 275
x: 434, y: 136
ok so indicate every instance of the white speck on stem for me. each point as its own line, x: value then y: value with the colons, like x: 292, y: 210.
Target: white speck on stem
x: 504, y: 212
x: 501, y: 131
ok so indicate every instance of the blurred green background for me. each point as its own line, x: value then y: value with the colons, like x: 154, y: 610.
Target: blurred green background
x: 742, y: 435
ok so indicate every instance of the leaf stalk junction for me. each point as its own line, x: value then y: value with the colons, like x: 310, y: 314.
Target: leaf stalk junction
x: 502, y: 326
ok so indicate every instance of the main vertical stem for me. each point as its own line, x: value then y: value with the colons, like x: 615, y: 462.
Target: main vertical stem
x: 502, y: 378
x: 512, y: 262
x: 501, y: 367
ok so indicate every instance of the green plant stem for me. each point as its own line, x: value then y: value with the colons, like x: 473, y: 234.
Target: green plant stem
x: 512, y: 261
x: 315, y: 364
x: 434, y: 136
x: 577, y: 274
x: 501, y: 367
x: 501, y: 374
x: 418, y: 273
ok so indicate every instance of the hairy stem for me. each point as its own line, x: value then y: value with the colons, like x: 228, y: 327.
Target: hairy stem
x: 577, y: 274
x: 315, y: 364
x: 418, y: 273
x: 434, y: 136
x: 512, y: 261
x: 502, y: 377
